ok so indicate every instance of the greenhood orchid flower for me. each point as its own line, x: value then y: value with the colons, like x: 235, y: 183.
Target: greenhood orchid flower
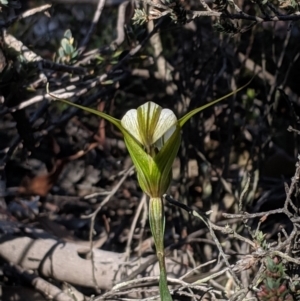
x: 152, y: 136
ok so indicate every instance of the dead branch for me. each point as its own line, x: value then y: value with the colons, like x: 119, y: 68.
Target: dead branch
x: 67, y: 262
x: 42, y: 286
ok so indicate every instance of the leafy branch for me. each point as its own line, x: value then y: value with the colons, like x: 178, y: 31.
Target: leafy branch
x: 224, y: 11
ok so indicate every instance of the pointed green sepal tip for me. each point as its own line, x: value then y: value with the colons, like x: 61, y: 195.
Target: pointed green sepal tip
x: 190, y: 114
x: 105, y: 116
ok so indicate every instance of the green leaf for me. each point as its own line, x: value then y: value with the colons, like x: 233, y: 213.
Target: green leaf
x: 250, y: 93
x: 61, y: 53
x: 99, y: 58
x: 140, y: 17
x: 74, y: 54
x: 107, y: 82
x: 68, y: 49
x: 68, y: 34
x: 271, y: 265
x: 163, y: 287
x: 116, y: 54
x: 64, y: 44
x: 270, y: 283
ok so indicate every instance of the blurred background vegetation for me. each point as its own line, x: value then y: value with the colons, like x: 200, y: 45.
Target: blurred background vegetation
x: 57, y: 163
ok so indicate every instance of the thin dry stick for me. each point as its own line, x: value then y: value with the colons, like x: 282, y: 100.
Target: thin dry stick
x: 236, y: 7
x: 292, y: 188
x: 228, y: 230
x: 205, y: 6
x: 222, y: 180
x: 133, y: 225
x: 143, y: 225
x: 94, y: 214
x: 27, y: 14
x: 247, y: 215
x: 120, y: 26
x: 258, y: 275
x: 96, y: 18
x: 291, y: 64
x: 23, y: 104
x: 136, y: 49
x: 212, y: 276
x: 122, y: 288
x: 286, y: 257
x: 279, y: 64
x: 243, y: 16
x: 243, y: 193
x: 211, y: 228
x: 230, y: 127
x: 134, y: 282
x: 151, y: 279
x: 95, y: 194
x: 67, y: 92
x: 163, y: 67
x: 17, y: 139
x: 192, y: 285
x: 41, y: 285
x: 212, y: 233
x: 197, y: 268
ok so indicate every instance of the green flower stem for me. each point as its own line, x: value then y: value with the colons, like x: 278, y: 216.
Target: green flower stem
x: 157, y: 225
